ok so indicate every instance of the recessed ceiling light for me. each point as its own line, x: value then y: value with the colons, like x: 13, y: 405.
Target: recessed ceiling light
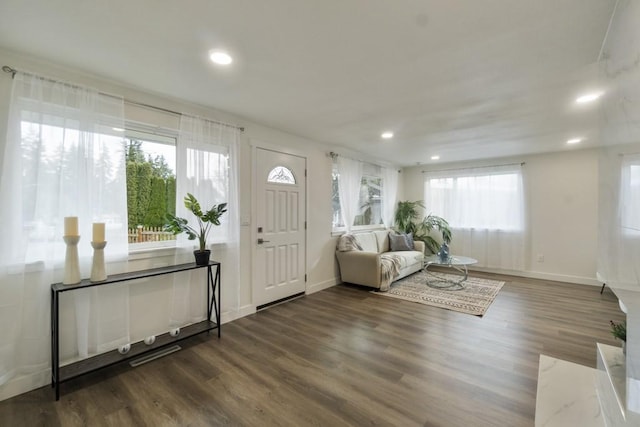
x: 435, y: 157
x: 387, y: 135
x: 220, y: 57
x: 588, y: 97
x: 118, y: 129
x: 574, y: 140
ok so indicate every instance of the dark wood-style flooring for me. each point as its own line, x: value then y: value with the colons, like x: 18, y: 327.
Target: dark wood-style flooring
x: 344, y: 356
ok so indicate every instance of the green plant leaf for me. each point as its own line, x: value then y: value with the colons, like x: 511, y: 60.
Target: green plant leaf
x: 192, y: 204
x: 178, y: 225
x: 213, y: 215
x: 406, y: 213
x: 407, y: 220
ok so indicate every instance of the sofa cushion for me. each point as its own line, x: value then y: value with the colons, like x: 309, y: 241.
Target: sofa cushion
x: 408, y: 258
x: 383, y: 240
x: 367, y: 241
x: 401, y: 242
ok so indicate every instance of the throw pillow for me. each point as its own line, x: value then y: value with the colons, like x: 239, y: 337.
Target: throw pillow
x: 410, y: 241
x: 399, y: 242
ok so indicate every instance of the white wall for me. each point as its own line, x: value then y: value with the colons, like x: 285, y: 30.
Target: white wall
x: 562, y: 207
x: 150, y: 301
x: 563, y: 213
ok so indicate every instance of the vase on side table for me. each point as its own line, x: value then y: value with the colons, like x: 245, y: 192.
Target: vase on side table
x: 71, y: 261
x: 444, y: 252
x: 98, y: 271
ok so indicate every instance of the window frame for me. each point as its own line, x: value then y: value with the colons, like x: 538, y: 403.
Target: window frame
x: 148, y: 250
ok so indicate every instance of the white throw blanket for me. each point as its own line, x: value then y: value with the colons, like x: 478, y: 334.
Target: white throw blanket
x: 389, y: 270
x: 347, y: 243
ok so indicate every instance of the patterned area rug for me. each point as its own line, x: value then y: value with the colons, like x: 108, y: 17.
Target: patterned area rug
x: 475, y: 298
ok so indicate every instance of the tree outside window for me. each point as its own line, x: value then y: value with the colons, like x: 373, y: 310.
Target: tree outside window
x: 151, y: 189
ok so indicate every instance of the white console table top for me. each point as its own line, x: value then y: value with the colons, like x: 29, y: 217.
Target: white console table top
x: 566, y: 395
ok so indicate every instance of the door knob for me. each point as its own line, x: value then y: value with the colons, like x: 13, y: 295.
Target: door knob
x: 261, y: 241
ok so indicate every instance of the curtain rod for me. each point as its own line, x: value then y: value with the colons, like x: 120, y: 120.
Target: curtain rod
x: 13, y: 72
x: 476, y: 167
x: 335, y: 155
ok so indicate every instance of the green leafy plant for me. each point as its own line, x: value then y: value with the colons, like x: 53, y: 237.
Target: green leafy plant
x: 408, y: 220
x: 206, y: 220
x: 619, y: 330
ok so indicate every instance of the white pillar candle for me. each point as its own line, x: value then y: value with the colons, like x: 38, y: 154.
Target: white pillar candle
x: 98, y: 232
x: 71, y: 226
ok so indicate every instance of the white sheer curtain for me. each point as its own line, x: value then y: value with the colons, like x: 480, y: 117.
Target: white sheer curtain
x: 349, y: 183
x: 389, y: 195
x: 485, y: 208
x: 619, y: 219
x: 207, y: 167
x: 61, y: 158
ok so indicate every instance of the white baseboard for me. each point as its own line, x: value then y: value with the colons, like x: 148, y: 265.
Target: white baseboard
x: 317, y: 287
x: 26, y: 383
x: 229, y: 316
x: 591, y: 281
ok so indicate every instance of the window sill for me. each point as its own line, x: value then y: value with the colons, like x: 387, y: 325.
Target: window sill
x: 140, y: 253
x: 151, y: 252
x: 358, y: 229
x: 135, y: 254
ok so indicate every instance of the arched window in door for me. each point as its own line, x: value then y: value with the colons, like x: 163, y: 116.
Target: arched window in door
x: 281, y: 175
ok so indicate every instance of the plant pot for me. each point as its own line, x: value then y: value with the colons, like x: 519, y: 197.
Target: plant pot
x: 202, y: 257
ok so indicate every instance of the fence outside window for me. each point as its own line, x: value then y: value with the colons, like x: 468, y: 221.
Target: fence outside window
x: 143, y: 234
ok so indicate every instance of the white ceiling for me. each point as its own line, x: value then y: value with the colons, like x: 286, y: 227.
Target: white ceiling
x: 462, y: 79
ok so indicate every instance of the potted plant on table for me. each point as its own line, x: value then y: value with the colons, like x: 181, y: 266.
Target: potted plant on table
x: 206, y: 220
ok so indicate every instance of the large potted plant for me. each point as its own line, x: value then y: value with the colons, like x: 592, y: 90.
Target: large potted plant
x: 407, y: 220
x: 206, y: 220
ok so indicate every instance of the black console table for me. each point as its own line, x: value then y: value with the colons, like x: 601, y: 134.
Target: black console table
x: 60, y: 374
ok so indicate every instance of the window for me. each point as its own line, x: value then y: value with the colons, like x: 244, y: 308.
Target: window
x: 151, y: 187
x: 630, y: 194
x: 485, y: 209
x: 369, y: 200
x: 154, y: 188
x: 281, y: 175
x: 483, y: 198
x: 55, y: 153
x: 209, y: 168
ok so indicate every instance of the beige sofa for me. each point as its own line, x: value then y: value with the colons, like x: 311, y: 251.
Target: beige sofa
x: 375, y: 265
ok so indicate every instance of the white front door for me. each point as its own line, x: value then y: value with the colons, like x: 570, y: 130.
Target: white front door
x: 279, y: 267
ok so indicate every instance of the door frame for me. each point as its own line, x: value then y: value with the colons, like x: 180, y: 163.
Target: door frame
x: 255, y: 145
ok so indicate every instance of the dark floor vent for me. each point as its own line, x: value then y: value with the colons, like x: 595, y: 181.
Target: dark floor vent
x: 153, y: 356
